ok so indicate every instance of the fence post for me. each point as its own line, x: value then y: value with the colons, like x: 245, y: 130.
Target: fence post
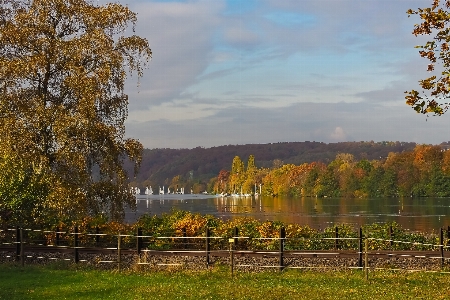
x: 231, y: 242
x: 448, y: 236
x: 22, y: 250
x: 184, y: 238
x: 57, y: 236
x: 391, y: 236
x: 366, y: 259
x: 207, y: 247
x: 441, y: 246
x: 336, y: 236
x: 236, y: 234
x: 139, y: 241
x: 97, y: 236
x: 282, y: 239
x: 75, y: 244
x: 18, y: 242
x: 118, y: 251
x: 360, y: 249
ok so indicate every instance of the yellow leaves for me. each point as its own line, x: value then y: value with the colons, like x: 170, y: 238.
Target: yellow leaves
x: 297, y: 231
x: 193, y: 223
x: 428, y: 54
x: 62, y: 64
x: 268, y: 229
x: 428, y: 83
x: 133, y: 148
x: 426, y: 155
x: 412, y: 97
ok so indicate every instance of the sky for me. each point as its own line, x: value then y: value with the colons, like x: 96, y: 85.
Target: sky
x: 228, y: 72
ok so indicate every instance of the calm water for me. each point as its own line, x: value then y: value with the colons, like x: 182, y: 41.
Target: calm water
x: 417, y: 214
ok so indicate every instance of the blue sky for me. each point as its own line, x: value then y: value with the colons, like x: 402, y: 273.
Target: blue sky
x: 246, y: 71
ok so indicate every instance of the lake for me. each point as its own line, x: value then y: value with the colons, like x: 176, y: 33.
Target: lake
x: 417, y: 214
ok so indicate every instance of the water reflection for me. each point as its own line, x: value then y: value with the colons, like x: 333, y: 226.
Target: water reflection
x: 418, y: 214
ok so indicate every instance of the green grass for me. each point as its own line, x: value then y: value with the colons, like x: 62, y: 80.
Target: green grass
x: 69, y: 282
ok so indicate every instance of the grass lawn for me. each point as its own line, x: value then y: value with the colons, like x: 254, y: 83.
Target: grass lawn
x: 70, y: 282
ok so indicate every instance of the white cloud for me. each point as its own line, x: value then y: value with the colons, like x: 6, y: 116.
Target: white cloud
x: 338, y: 135
x: 322, y: 122
x: 332, y: 71
x: 181, y: 38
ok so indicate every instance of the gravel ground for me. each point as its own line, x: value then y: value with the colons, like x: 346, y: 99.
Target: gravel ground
x: 241, y: 263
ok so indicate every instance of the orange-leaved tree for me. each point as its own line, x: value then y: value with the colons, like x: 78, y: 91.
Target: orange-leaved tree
x: 436, y: 88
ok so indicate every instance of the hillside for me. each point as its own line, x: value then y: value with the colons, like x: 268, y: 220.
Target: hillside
x: 159, y: 166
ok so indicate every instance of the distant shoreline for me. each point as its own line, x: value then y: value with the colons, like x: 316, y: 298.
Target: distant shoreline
x: 174, y: 197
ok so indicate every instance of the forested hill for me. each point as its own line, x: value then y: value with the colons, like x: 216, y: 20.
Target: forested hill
x: 159, y: 166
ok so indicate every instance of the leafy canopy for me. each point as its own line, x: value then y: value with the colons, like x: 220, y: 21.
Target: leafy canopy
x: 63, y: 64
x: 436, y: 88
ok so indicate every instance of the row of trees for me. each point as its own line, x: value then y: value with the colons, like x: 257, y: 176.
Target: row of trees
x: 423, y: 172
x: 159, y: 166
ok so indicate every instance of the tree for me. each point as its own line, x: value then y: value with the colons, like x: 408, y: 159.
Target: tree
x: 222, y: 181
x: 439, y: 183
x: 176, y: 183
x: 388, y: 185
x: 63, y: 64
x: 328, y: 185
x: 311, y: 182
x: 20, y: 192
x: 250, y: 173
x: 343, y: 167
x: 372, y: 182
x: 237, y: 175
x: 436, y: 88
x: 277, y: 181
x: 297, y: 178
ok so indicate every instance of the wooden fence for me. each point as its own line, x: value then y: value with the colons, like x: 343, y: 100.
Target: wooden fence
x: 21, y: 240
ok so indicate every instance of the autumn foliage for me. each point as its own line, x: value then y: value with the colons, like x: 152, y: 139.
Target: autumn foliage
x: 186, y: 230
x: 424, y: 171
x: 63, y: 66
x: 436, y: 88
